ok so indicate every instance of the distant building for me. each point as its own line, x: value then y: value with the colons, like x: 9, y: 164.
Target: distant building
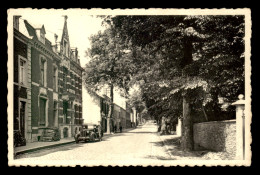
x: 47, y: 81
x: 97, y: 108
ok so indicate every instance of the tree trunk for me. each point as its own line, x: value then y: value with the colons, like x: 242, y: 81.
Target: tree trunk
x: 110, y: 112
x: 187, y: 137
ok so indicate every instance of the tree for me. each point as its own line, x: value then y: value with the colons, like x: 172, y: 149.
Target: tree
x: 189, y: 55
x: 106, y: 67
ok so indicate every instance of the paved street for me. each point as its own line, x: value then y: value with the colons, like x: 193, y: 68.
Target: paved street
x: 139, y: 146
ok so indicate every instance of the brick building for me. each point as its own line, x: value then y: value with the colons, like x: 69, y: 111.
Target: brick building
x: 47, y: 81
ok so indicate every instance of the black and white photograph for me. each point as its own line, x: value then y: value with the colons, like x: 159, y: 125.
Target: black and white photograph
x: 135, y: 87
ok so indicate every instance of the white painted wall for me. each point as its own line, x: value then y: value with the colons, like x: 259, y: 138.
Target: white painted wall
x: 119, y: 100
x: 91, y: 107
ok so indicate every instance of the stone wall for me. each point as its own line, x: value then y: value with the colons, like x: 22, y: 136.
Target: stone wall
x: 215, y: 136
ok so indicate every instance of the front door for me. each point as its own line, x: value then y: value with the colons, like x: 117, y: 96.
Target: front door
x: 22, y: 118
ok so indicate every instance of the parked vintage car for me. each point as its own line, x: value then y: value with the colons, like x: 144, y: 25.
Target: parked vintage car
x: 88, y: 132
x: 50, y: 134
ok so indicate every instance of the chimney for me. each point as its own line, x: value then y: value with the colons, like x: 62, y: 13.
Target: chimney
x: 16, y: 21
x: 55, y: 37
x: 76, y: 53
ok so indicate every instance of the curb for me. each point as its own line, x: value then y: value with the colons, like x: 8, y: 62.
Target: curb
x: 42, y: 147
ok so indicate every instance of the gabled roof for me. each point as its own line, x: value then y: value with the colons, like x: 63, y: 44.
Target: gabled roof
x: 26, y: 29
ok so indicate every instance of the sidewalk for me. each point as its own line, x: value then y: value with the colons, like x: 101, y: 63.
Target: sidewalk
x: 173, y: 147
x: 34, y: 146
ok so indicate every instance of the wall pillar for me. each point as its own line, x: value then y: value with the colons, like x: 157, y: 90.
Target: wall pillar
x: 134, y: 116
x: 240, y: 127
x: 28, y: 124
x: 178, y: 127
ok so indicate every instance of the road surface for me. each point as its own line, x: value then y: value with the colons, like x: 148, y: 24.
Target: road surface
x: 140, y: 146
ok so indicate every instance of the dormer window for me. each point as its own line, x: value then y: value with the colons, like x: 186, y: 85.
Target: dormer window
x: 40, y: 31
x: 42, y: 37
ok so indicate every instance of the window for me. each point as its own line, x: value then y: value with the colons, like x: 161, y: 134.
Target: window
x: 55, y: 114
x: 42, y: 112
x: 22, y: 72
x: 55, y: 85
x: 64, y: 82
x: 65, y: 110
x: 76, y: 114
x: 43, y: 72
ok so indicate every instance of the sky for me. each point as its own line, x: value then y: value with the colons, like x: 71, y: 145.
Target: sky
x: 80, y: 27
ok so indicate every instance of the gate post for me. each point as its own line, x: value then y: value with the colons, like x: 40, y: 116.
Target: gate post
x: 240, y: 127
x: 178, y: 128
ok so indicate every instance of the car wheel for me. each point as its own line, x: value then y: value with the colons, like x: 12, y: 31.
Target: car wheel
x: 92, y: 139
x: 76, y: 140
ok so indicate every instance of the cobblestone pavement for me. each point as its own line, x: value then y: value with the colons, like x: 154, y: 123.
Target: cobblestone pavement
x: 141, y: 146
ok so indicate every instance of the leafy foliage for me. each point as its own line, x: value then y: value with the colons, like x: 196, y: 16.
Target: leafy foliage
x: 160, y: 45
x: 108, y: 60
x: 157, y: 60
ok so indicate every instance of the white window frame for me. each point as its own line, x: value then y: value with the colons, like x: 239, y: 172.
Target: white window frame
x: 25, y: 79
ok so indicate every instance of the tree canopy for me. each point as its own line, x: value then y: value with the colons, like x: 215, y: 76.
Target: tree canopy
x: 158, y: 53
x: 174, y: 59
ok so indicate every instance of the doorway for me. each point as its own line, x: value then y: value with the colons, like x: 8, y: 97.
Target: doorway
x: 22, y: 118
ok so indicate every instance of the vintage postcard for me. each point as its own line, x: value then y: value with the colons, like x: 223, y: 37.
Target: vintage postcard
x: 135, y: 87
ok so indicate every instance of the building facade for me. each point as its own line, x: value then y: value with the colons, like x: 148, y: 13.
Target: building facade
x: 47, y: 82
x: 97, y: 108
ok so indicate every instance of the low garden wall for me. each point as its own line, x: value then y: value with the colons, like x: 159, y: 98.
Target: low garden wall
x: 215, y: 136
